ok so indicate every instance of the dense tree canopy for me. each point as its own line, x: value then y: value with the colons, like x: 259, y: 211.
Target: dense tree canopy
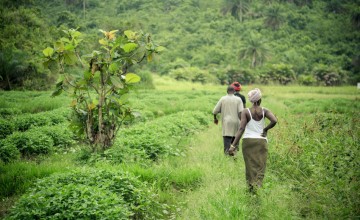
x: 212, y: 37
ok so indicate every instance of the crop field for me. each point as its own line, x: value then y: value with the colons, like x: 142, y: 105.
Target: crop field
x: 169, y: 164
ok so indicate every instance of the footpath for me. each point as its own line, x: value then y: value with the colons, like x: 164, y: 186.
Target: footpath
x: 223, y: 193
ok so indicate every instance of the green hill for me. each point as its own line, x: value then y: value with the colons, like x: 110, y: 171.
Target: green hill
x: 263, y: 41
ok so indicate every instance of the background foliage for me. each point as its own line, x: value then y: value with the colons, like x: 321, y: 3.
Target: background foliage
x: 215, y: 41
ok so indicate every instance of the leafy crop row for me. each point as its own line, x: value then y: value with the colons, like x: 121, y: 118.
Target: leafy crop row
x: 38, y: 140
x: 89, y: 194
x: 24, y: 122
x: 160, y: 137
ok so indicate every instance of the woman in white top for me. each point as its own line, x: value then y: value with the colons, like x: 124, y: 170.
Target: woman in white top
x: 254, y: 143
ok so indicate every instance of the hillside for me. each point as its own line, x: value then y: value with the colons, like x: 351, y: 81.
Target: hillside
x: 262, y: 41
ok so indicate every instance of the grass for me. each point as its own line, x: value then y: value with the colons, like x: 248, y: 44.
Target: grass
x: 223, y: 193
x: 313, y: 160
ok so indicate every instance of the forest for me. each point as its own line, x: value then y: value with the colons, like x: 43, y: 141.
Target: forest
x: 252, y: 41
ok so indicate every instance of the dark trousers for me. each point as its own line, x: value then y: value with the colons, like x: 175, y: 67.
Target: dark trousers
x: 227, y: 142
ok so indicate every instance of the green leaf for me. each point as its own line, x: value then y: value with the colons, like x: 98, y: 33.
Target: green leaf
x: 97, y: 76
x: 160, y: 48
x: 64, y: 39
x: 48, y: 52
x: 149, y: 57
x: 59, y: 46
x: 69, y: 47
x: 87, y: 75
x: 113, y: 67
x: 129, y: 47
x: 57, y: 92
x: 52, y: 65
x: 75, y: 34
x: 131, y: 35
x: 70, y: 58
x: 116, y: 82
x: 132, y: 78
x: 103, y: 42
x: 123, y: 99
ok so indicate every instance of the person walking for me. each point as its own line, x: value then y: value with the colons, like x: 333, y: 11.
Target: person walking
x: 230, y: 108
x: 254, y: 142
x: 237, y: 87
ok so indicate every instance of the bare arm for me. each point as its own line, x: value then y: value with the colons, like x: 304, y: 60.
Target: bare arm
x: 216, y: 121
x: 241, y: 130
x: 269, y: 115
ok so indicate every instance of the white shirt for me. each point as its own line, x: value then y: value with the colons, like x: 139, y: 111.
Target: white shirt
x: 253, y: 128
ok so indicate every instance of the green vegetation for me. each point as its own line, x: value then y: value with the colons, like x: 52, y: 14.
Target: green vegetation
x: 166, y: 161
x: 172, y: 150
x: 278, y: 41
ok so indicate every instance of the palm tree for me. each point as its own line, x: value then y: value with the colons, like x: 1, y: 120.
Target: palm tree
x: 237, y: 8
x: 273, y: 17
x: 255, y: 49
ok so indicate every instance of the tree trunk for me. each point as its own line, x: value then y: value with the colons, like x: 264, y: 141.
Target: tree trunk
x: 84, y: 7
x: 8, y: 81
x: 253, y: 62
x: 100, y: 138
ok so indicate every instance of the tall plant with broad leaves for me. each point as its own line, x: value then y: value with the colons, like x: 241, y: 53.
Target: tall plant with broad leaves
x: 101, y: 91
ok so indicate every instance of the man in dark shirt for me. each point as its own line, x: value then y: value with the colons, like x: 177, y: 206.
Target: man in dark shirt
x: 237, y: 87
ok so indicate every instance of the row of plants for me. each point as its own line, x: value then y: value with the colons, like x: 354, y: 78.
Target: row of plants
x: 13, y: 120
x: 90, y: 194
x: 110, y: 193
x: 156, y: 139
x: 36, y: 141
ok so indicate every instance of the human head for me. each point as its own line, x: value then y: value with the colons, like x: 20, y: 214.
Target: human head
x: 255, y: 95
x: 230, y: 90
x: 236, y: 85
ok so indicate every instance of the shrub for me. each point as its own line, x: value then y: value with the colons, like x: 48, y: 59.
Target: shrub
x: 159, y: 137
x: 61, y: 135
x: 89, y: 194
x: 330, y: 76
x: 25, y: 121
x: 72, y: 201
x: 31, y: 142
x: 7, y: 112
x: 307, y: 80
x: 6, y: 128
x: 8, y: 152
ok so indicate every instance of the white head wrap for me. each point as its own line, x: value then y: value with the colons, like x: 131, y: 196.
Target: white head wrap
x: 254, y: 95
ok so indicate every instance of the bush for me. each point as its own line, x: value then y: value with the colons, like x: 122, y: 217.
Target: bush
x: 61, y: 135
x: 193, y: 74
x: 26, y: 121
x: 31, y: 142
x: 157, y: 138
x: 330, y: 76
x: 8, y: 152
x: 7, y: 112
x: 6, y: 128
x: 306, y: 80
x: 72, y: 201
x: 89, y: 194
